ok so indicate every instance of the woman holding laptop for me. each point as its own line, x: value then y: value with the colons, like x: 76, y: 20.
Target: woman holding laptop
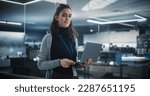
x: 58, y: 50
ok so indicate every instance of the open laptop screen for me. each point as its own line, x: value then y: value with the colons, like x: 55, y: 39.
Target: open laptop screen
x: 92, y: 50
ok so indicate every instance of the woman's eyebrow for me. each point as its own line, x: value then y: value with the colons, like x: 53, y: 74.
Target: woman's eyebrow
x: 66, y: 13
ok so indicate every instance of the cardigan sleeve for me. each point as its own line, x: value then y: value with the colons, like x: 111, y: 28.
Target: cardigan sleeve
x: 76, y: 42
x: 44, y: 59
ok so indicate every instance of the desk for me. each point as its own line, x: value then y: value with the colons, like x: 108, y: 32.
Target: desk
x: 139, y: 60
x: 137, y: 70
x: 102, y: 72
x: 18, y: 65
x: 7, y: 75
x: 99, y: 70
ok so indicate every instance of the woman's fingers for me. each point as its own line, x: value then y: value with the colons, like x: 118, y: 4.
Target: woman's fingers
x: 89, y: 61
x: 65, y: 63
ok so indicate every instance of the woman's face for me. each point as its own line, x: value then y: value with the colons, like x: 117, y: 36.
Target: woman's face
x: 64, y: 18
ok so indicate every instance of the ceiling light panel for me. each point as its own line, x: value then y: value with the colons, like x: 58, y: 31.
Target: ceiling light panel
x: 101, y: 21
x: 97, y: 4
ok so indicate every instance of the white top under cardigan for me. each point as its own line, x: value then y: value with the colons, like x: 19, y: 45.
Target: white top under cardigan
x: 44, y: 57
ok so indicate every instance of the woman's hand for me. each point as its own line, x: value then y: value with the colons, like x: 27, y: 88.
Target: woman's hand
x: 65, y: 63
x: 87, y: 62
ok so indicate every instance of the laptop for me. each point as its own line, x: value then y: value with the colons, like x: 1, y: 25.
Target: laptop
x: 92, y: 50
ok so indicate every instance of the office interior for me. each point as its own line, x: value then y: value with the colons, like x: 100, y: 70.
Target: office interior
x: 121, y: 26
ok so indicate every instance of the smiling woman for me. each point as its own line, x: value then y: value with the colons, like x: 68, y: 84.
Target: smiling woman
x: 58, y: 49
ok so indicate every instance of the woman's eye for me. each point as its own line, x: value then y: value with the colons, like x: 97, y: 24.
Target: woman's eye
x: 70, y: 16
x: 64, y: 15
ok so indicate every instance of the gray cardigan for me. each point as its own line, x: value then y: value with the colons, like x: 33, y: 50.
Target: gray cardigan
x: 44, y: 57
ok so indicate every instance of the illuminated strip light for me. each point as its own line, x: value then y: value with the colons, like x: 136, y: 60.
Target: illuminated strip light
x: 12, y: 23
x: 13, y: 2
x: 125, y: 24
x: 34, y: 1
x: 3, y: 22
x: 141, y: 19
x: 9, y: 1
x: 57, y: 1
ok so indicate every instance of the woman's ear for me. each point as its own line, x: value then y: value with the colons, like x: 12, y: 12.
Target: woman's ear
x: 56, y: 18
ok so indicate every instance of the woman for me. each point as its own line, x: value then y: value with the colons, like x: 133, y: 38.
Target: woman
x: 58, y: 49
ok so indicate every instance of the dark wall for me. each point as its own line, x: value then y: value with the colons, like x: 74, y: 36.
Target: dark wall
x: 36, y: 36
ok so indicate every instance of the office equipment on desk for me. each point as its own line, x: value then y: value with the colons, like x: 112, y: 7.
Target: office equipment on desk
x: 143, y: 44
x: 92, y: 50
x: 107, y: 56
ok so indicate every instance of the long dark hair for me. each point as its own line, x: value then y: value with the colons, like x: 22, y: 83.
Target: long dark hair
x: 54, y: 25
